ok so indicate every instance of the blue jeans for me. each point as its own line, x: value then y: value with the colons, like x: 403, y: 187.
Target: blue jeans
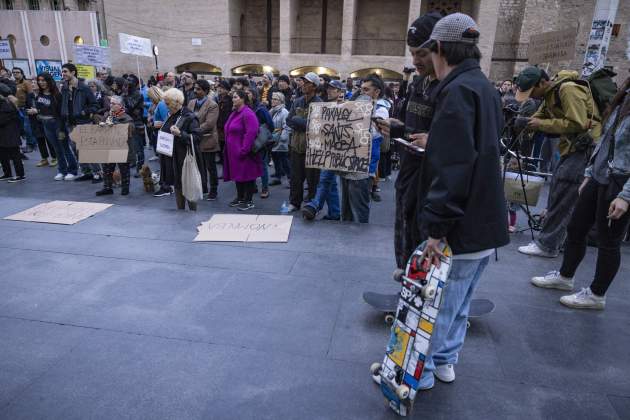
x: 28, y: 131
x: 66, y: 162
x: 327, y: 193
x: 355, y: 200
x: 449, y: 330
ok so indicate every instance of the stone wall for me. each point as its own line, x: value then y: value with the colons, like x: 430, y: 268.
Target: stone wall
x: 381, y: 29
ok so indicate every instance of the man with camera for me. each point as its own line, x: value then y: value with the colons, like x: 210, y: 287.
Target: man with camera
x: 568, y: 111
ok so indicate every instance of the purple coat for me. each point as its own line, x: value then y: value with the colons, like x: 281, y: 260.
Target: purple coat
x: 241, y: 130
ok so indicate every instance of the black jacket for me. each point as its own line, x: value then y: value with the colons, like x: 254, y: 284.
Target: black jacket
x: 83, y: 104
x: 10, y: 124
x: 134, y: 107
x: 188, y: 125
x: 225, y: 109
x: 463, y: 194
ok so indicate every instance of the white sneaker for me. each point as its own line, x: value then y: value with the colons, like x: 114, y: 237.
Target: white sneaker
x: 445, y: 373
x: 59, y: 177
x: 292, y: 208
x: 584, y: 299
x: 69, y: 177
x: 553, y: 280
x: 534, y: 250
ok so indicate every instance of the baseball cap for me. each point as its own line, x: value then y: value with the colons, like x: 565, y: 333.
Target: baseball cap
x: 311, y: 77
x: 525, y: 82
x: 337, y: 85
x: 421, y: 28
x: 456, y: 27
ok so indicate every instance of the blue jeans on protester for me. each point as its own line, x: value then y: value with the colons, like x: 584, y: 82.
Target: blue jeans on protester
x: 28, y: 130
x: 327, y: 193
x: 449, y: 330
x: 66, y: 162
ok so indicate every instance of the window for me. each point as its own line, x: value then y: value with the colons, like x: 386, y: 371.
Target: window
x: 78, y: 40
x: 33, y: 4
x: 44, y: 40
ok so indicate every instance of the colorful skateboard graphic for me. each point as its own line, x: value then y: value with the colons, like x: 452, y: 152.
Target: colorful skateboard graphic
x: 418, y: 306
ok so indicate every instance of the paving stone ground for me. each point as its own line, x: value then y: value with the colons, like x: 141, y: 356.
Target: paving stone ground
x: 123, y: 316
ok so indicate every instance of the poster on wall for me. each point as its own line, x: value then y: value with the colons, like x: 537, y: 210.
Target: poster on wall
x: 21, y: 63
x: 50, y: 66
x: 86, y: 72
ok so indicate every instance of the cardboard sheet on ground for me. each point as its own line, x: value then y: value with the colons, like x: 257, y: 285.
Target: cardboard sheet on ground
x: 245, y: 228
x: 96, y: 144
x: 59, y: 212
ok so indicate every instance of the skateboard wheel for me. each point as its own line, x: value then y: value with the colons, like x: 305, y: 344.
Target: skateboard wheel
x: 402, y: 392
x: 428, y: 292
x: 389, y: 319
x: 398, y: 275
x: 375, y: 369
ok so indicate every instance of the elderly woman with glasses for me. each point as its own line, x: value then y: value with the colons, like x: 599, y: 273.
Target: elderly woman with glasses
x: 182, y: 123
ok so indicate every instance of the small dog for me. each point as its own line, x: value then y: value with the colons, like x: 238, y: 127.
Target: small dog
x: 147, y: 179
x: 116, y: 178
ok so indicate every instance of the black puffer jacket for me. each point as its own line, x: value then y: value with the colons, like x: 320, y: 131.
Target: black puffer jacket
x: 461, y: 176
x: 9, y: 124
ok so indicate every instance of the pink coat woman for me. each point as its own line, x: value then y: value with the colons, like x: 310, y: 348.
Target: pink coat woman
x: 241, y: 129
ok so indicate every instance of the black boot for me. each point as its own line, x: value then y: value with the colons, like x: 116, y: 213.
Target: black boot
x: 105, y: 191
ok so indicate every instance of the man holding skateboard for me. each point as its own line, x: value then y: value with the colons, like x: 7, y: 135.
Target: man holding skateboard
x: 461, y: 189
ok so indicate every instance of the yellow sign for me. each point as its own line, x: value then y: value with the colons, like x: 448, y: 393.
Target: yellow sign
x: 86, y: 72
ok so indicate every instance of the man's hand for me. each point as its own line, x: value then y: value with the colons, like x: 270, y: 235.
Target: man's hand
x: 384, y: 125
x: 31, y: 111
x: 433, y: 251
x: 419, y: 139
x: 617, y: 208
x: 581, y: 187
x: 534, y: 123
x: 175, y: 130
x: 158, y: 124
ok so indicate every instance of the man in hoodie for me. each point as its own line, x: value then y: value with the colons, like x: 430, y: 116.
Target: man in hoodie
x: 568, y: 111
x: 77, y: 106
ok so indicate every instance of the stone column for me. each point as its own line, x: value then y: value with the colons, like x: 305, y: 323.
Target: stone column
x: 286, y: 25
x: 414, y: 13
x: 486, y: 19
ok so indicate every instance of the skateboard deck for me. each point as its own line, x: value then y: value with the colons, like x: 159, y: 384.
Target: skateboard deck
x: 418, y: 306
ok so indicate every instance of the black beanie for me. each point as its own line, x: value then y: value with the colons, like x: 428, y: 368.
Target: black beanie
x: 285, y: 78
x: 225, y: 84
x: 421, y: 28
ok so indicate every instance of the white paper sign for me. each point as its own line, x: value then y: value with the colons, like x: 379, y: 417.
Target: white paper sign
x: 244, y: 228
x: 59, y: 212
x: 5, y: 49
x: 165, y: 143
x: 135, y: 45
x: 91, y: 55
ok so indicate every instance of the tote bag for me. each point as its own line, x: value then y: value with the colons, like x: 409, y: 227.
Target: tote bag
x: 191, y: 178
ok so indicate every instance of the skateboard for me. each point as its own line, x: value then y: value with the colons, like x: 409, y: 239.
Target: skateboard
x: 418, y: 305
x: 387, y: 303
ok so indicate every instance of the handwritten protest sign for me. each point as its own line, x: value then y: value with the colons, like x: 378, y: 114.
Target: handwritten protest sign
x: 98, y: 144
x: 338, y: 136
x: 551, y: 47
x: 135, y: 45
x: 245, y: 228
x: 91, y: 55
x: 59, y: 212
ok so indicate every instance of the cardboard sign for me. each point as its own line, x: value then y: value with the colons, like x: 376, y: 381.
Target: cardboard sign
x: 552, y: 47
x: 338, y: 136
x: 91, y: 55
x: 86, y: 72
x: 59, y: 212
x: 49, y: 66
x: 101, y: 144
x: 164, y: 144
x: 5, y: 49
x: 245, y: 228
x: 135, y: 45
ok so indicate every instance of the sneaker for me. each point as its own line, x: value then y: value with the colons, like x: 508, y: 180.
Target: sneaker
x: 212, y: 196
x: 59, y: 177
x: 105, y: 191
x: 309, y: 212
x: 292, y: 208
x: 124, y: 191
x: 84, y: 177
x: 235, y: 202
x: 53, y: 162
x: 584, y: 299
x: 334, y: 218
x: 16, y: 179
x: 5, y: 177
x: 376, y: 197
x: 245, y: 205
x: 96, y: 179
x: 445, y: 373
x: 162, y: 192
x: 153, y: 158
x: 275, y: 182
x: 534, y: 250
x: 70, y: 177
x: 264, y: 193
x: 553, y: 280
x: 41, y: 163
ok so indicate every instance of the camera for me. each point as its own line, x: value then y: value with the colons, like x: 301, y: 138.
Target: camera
x: 408, y: 70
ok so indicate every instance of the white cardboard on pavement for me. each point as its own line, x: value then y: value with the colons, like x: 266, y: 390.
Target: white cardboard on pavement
x: 59, y: 212
x: 245, y: 228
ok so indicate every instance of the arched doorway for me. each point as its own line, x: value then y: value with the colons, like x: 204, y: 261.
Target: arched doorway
x: 385, y: 74
x: 254, y: 70
x: 319, y: 70
x: 199, y: 68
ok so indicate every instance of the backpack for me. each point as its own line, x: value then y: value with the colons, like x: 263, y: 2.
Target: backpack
x: 603, y: 88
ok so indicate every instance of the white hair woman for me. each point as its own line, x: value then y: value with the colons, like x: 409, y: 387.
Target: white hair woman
x: 280, y: 151
x: 117, y: 115
x: 96, y: 86
x: 183, y: 125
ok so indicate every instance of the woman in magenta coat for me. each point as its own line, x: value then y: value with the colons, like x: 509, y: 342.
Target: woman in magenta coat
x: 240, y: 164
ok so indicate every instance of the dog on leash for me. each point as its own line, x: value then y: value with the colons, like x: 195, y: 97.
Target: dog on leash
x: 147, y: 179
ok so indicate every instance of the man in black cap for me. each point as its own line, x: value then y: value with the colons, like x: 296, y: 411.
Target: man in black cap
x: 284, y: 87
x: 417, y: 111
